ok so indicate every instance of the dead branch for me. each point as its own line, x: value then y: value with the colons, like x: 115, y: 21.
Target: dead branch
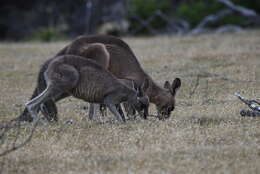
x: 196, y: 86
x: 14, y: 145
x: 228, y: 28
x: 144, y: 24
x: 175, y: 26
x: 249, y: 13
x: 5, y: 127
x: 242, y: 10
x: 200, y: 28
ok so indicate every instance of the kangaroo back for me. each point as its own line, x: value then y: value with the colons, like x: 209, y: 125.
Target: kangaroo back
x: 122, y: 62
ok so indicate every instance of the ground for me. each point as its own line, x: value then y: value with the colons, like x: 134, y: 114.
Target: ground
x: 205, y: 134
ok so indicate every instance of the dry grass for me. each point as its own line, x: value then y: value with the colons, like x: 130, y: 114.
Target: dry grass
x: 204, y: 135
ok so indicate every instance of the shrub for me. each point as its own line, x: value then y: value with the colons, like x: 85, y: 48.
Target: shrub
x: 146, y: 8
x: 195, y: 11
x: 192, y: 11
x: 46, y: 35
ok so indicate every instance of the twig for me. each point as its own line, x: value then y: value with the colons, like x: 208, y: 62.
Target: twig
x: 249, y: 13
x: 242, y: 10
x: 228, y: 28
x: 145, y: 24
x: 17, y: 133
x: 210, y: 19
x: 15, y: 147
x: 196, y: 86
x: 5, y: 128
x: 176, y: 26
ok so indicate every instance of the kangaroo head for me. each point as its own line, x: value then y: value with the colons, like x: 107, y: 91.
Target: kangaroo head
x: 165, y: 101
x: 140, y: 101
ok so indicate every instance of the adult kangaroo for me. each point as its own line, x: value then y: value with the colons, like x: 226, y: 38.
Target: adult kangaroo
x: 84, y: 79
x: 124, y: 65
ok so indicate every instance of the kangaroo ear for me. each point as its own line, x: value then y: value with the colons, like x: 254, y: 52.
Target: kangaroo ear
x: 167, y: 85
x: 145, y: 85
x: 176, y: 84
x: 134, y: 86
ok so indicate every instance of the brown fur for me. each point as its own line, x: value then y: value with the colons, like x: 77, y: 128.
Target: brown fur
x: 124, y: 64
x: 97, y: 51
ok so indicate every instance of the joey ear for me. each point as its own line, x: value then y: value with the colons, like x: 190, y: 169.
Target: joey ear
x: 176, y: 84
x: 145, y: 85
x: 134, y: 86
x: 167, y: 85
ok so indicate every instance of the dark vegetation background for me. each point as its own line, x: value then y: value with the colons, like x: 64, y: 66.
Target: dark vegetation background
x: 54, y: 19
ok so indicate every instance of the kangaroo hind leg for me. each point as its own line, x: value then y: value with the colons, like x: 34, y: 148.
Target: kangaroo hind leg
x: 60, y: 79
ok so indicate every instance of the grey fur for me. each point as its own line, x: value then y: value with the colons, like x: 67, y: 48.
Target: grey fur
x: 122, y: 63
x: 86, y: 80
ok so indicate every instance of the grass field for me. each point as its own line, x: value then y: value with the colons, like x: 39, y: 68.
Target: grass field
x: 205, y: 133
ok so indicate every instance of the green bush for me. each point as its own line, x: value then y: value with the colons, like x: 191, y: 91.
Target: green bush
x: 46, y: 35
x: 195, y: 11
x: 146, y: 8
x: 253, y: 4
x: 192, y: 11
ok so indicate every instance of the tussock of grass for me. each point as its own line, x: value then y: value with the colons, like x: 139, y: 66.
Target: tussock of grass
x: 204, y: 135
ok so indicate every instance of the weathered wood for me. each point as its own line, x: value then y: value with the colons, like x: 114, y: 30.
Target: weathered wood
x: 242, y: 10
x: 200, y: 28
x: 249, y: 13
